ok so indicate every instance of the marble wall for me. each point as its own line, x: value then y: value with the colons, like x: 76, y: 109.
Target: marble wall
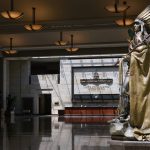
x: 18, y: 77
x: 66, y: 74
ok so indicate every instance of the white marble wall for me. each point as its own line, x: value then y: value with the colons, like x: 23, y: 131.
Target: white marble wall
x: 87, y: 73
x: 19, y: 72
x: 47, y: 84
x: 66, y: 68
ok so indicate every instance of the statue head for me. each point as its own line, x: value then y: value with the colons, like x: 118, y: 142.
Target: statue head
x: 138, y: 25
x: 144, y: 19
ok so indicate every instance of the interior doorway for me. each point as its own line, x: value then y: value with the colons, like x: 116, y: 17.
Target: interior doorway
x: 45, y: 104
x: 27, y: 105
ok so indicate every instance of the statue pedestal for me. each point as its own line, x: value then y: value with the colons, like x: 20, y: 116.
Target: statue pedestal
x: 129, y: 145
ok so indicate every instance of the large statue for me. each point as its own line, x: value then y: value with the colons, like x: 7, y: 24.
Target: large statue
x: 138, y: 104
x: 139, y: 80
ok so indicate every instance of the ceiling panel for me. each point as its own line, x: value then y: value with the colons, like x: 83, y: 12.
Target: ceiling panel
x: 86, y: 19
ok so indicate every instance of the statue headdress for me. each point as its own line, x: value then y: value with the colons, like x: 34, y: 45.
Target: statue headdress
x: 145, y: 16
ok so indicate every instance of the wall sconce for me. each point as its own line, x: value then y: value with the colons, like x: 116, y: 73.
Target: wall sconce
x: 12, y: 14
x: 33, y: 26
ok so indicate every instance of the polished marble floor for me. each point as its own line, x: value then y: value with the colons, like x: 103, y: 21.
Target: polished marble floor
x: 53, y: 133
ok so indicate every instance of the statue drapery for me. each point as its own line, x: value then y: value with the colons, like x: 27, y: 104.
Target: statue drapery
x: 139, y: 83
x: 139, y: 80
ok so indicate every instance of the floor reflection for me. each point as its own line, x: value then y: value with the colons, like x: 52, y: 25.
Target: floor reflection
x: 53, y: 133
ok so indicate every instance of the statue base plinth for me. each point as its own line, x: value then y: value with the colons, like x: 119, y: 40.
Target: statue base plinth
x: 122, y: 138
x: 128, y: 145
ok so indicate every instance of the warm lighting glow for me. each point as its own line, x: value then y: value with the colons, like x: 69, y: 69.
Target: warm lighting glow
x: 124, y: 22
x: 10, y: 51
x: 60, y: 43
x: 72, y: 49
x: 12, y: 14
x: 116, y: 7
x: 33, y: 27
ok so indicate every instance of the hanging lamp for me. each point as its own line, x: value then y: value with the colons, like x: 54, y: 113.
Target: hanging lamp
x: 125, y: 21
x: 12, y: 14
x: 10, y: 51
x: 33, y: 26
x: 61, y: 42
x: 72, y: 48
x: 116, y: 7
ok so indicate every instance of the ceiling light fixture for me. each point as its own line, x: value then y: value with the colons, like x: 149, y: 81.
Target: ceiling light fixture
x: 72, y: 48
x: 116, y: 7
x: 33, y: 26
x: 10, y: 51
x: 61, y: 42
x: 12, y: 14
x: 125, y: 21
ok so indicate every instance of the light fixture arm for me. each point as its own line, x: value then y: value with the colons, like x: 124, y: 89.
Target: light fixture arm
x: 125, y: 16
x: 116, y: 5
x: 71, y: 40
x: 33, y: 15
x: 61, y: 36
x: 72, y: 48
x: 11, y: 5
x: 11, y: 43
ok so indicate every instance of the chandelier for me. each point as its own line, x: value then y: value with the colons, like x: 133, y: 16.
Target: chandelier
x: 33, y: 26
x: 10, y: 51
x: 116, y: 7
x: 12, y: 14
x: 60, y: 42
x: 72, y: 48
x: 125, y: 21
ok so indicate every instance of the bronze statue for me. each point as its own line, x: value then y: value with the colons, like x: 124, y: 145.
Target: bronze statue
x: 138, y: 108
x: 139, y: 80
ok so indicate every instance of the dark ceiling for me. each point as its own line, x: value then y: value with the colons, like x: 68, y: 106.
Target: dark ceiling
x: 92, y: 26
